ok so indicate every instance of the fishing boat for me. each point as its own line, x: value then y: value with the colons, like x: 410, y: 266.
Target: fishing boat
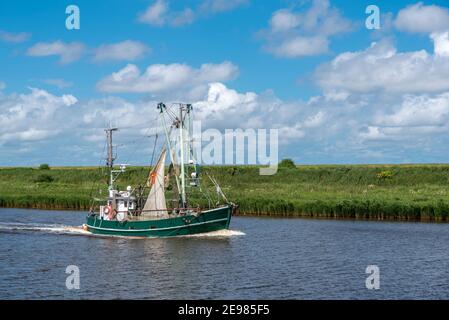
x: 142, y: 211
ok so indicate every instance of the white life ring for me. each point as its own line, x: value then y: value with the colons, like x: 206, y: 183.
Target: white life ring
x: 107, y: 210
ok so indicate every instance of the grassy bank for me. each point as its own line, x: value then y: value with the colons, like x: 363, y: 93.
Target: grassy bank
x: 381, y: 192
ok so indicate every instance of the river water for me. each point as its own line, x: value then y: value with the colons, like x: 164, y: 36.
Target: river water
x: 259, y: 258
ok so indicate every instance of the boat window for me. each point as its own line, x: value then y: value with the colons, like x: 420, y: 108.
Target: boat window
x: 126, y: 203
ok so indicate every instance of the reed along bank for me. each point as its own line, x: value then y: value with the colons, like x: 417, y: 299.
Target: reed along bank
x: 375, y: 192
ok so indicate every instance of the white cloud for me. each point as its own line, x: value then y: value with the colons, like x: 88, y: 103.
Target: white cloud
x: 155, y: 14
x: 126, y: 50
x: 187, y: 16
x: 160, y: 78
x: 100, y: 112
x: 67, y: 52
x: 220, y: 108
x: 302, y: 46
x: 159, y: 13
x: 304, y: 33
x: 14, y: 37
x: 423, y: 19
x: 226, y: 108
x: 68, y: 99
x: 2, y: 85
x: 418, y: 111
x: 382, y: 68
x: 325, y: 129
x: 34, y: 116
x: 372, y: 133
x: 315, y: 120
x: 441, y: 43
x: 336, y: 95
x: 28, y: 135
x: 284, y: 20
x: 409, y: 137
x: 223, y: 103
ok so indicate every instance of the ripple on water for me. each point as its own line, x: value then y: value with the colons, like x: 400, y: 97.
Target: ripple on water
x: 258, y: 258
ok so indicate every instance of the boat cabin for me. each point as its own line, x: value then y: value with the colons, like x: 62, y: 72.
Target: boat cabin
x: 121, y: 201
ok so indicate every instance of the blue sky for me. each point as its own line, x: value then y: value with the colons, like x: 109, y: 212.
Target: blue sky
x: 273, y: 66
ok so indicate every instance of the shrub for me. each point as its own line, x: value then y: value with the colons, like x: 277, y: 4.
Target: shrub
x: 44, y: 178
x: 44, y: 166
x: 287, y: 163
x: 384, y: 175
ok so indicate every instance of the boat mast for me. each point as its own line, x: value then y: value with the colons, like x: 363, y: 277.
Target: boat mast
x: 181, y: 137
x: 179, y: 122
x: 189, y: 132
x: 162, y: 108
x: 110, y: 159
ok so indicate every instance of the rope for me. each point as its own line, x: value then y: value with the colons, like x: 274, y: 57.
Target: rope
x: 96, y: 183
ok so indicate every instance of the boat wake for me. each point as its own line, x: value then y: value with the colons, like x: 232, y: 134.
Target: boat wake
x: 41, y: 227
x: 216, y: 234
x: 12, y: 227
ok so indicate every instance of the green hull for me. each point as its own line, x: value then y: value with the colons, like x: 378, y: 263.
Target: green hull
x: 206, y: 221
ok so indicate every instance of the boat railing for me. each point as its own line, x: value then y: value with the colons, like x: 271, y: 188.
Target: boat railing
x: 198, y: 210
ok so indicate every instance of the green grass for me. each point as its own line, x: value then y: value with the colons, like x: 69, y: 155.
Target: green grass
x: 393, y: 192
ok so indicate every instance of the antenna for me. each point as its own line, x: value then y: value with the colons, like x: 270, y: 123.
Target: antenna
x: 110, y: 159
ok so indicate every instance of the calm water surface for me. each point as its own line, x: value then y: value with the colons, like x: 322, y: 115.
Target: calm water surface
x: 261, y: 258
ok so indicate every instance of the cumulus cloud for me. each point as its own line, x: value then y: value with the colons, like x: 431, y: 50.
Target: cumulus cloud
x: 372, y: 133
x: 155, y: 14
x: 377, y: 98
x: 381, y: 68
x: 386, y: 122
x: 160, y: 14
x: 223, y: 103
x: 186, y: 16
x: 128, y: 50
x: 422, y: 19
x: 441, y: 43
x: 224, y: 108
x: 160, y: 78
x: 284, y: 20
x: 98, y: 113
x: 220, y: 108
x: 326, y: 129
x: 67, y: 52
x: 14, y: 37
x: 418, y: 111
x: 383, y: 128
x: 315, y: 120
x: 33, y: 116
x: 302, y: 46
x: 304, y: 33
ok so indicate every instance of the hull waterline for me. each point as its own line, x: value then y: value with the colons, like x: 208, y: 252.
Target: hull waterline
x: 207, y: 221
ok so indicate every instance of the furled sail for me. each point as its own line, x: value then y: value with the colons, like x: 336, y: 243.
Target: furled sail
x: 155, y: 205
